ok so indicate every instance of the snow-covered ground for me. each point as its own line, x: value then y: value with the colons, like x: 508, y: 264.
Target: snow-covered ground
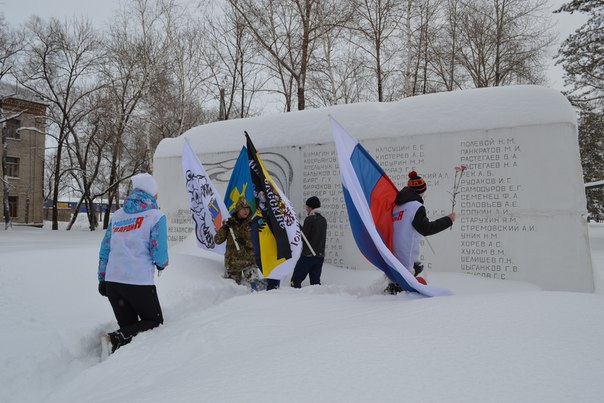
x: 494, y: 341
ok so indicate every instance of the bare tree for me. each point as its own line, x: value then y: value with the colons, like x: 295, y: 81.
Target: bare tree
x: 173, y: 100
x: 231, y: 56
x: 426, y: 14
x: 288, y: 31
x: 408, y: 39
x: 504, y: 41
x: 186, y: 42
x: 444, y: 46
x: 130, y: 47
x: 423, y: 33
x: 59, y: 66
x: 377, y: 23
x: 11, y: 43
x: 340, y: 75
x: 85, y: 148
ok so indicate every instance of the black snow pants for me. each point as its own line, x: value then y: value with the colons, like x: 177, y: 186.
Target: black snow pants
x: 136, y: 307
x: 307, y: 266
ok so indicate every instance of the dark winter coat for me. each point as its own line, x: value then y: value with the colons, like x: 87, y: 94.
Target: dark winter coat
x: 237, y: 260
x: 315, y: 231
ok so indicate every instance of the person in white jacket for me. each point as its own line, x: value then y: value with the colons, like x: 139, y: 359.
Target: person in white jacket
x: 410, y: 224
x: 134, y: 246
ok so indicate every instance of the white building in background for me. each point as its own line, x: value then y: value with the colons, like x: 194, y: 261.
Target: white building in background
x: 25, y: 137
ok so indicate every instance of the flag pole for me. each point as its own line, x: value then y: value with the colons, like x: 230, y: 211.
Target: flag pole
x: 428, y: 242
x: 234, y: 239
x: 306, y: 241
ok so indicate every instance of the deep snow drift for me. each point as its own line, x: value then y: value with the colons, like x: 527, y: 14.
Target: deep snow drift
x: 340, y: 342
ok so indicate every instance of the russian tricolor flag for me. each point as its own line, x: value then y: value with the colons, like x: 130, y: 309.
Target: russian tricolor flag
x: 369, y: 196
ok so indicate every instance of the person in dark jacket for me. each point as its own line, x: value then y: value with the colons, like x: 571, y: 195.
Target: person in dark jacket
x: 239, y: 257
x: 313, y: 251
x: 134, y: 245
x: 410, y: 224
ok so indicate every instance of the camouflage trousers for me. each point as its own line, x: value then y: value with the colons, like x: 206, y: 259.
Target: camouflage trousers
x: 248, y: 276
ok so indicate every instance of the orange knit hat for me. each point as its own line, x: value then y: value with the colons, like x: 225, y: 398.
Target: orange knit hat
x: 416, y: 182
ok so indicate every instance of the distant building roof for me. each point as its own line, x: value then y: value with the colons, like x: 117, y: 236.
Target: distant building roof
x: 13, y: 90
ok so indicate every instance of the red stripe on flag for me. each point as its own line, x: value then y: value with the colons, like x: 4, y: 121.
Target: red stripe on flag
x: 381, y: 205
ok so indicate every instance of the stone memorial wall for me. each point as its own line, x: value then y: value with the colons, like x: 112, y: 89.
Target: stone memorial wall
x: 519, y: 203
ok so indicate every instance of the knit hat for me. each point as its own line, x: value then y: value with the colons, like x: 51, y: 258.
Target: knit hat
x: 145, y: 182
x: 313, y: 202
x: 416, y: 182
x: 241, y: 204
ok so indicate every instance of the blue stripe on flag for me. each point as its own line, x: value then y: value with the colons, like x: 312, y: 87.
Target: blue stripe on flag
x: 366, y: 169
x: 367, y: 245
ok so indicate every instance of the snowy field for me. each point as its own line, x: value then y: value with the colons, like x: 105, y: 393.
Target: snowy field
x: 494, y: 341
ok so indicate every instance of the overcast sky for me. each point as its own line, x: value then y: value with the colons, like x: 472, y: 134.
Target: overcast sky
x: 18, y: 11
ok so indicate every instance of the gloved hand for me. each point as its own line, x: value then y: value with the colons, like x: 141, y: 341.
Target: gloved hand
x: 102, y: 288
x: 159, y: 268
x: 418, y: 268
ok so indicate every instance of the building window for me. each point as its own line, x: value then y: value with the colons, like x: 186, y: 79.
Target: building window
x: 12, y: 205
x: 12, y: 167
x: 11, y: 127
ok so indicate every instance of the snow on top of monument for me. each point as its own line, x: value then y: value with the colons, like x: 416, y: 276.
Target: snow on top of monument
x: 447, y: 112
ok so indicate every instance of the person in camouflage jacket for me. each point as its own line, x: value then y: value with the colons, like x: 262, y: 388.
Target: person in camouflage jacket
x: 240, y: 264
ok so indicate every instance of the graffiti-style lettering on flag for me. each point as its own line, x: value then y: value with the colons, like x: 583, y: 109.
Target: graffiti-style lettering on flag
x: 207, y: 207
x: 280, y: 239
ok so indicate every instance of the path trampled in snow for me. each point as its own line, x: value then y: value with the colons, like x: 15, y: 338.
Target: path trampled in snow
x: 340, y: 342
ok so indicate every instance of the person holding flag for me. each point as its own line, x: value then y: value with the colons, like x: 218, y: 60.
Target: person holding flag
x: 370, y: 195
x: 239, y: 257
x: 410, y: 224
x: 314, y: 230
x: 279, y: 237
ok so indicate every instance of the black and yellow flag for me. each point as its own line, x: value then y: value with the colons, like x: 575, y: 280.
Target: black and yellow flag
x: 278, y: 228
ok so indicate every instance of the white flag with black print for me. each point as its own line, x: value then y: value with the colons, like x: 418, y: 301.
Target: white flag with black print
x: 207, y: 206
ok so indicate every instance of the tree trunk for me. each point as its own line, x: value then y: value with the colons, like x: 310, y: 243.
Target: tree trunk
x: 407, y: 78
x: 378, y: 72
x: 91, y: 213
x: 301, y: 100
x: 55, y: 189
x: 108, y: 211
x: 76, y: 211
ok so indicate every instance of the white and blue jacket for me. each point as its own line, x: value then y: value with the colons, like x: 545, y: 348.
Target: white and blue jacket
x: 410, y: 224
x: 136, y: 240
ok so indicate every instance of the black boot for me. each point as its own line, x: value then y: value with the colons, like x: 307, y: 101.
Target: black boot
x: 393, y: 289
x: 272, y: 284
x: 118, y: 340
